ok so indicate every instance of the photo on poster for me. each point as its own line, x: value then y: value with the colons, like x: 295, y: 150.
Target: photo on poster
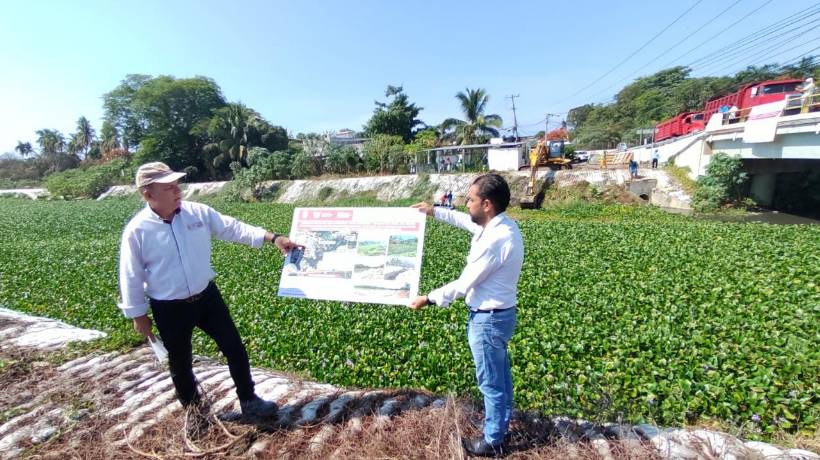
x: 355, y: 254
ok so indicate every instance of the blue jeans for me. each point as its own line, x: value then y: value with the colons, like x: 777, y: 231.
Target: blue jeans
x: 489, y: 334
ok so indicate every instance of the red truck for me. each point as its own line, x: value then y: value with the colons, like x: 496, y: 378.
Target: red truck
x: 684, y: 123
x: 751, y: 95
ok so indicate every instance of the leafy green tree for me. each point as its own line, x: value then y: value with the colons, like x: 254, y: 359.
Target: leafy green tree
x: 302, y: 166
x: 280, y: 164
x: 477, y: 126
x: 335, y: 160
x: 384, y: 154
x: 753, y: 74
x: 121, y: 113
x: 398, y: 117
x: 173, y: 112
x: 578, y: 115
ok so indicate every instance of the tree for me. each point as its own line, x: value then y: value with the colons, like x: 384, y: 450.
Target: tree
x: 235, y: 128
x: 108, y: 137
x: 398, y: 117
x: 121, y: 113
x: 84, y: 136
x: 384, y: 153
x: 173, y: 114
x: 53, y: 151
x: 476, y: 127
x: 51, y: 142
x: 24, y: 149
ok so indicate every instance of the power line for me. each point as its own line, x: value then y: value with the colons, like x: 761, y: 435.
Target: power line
x: 655, y: 59
x: 765, y: 54
x: 722, y: 31
x: 631, y: 55
x: 784, y: 66
x: 789, y: 35
x: 750, y: 46
x: 760, y: 34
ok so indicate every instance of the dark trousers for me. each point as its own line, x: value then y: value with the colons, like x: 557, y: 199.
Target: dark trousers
x: 176, y: 320
x: 654, y: 163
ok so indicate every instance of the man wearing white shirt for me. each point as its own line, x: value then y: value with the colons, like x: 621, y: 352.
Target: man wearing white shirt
x: 165, y: 255
x: 489, y: 285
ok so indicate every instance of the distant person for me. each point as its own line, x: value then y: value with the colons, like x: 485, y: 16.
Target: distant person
x: 655, y: 157
x: 633, y: 169
x: 488, y: 284
x: 165, y: 255
x: 450, y: 198
x: 807, y: 88
x: 733, y: 114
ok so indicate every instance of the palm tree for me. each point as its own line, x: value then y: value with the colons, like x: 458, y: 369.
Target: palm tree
x: 477, y: 126
x: 51, y: 142
x: 84, y: 136
x: 24, y: 149
x: 109, y: 140
x: 230, y: 129
x: 75, y: 146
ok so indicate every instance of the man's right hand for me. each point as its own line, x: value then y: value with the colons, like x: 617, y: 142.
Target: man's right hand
x: 142, y: 324
x: 423, y: 207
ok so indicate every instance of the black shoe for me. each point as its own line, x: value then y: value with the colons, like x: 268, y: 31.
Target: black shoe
x: 197, y: 419
x: 478, y: 447
x: 257, y: 407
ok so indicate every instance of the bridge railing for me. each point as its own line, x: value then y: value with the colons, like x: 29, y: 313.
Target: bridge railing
x: 798, y: 103
x: 795, y: 103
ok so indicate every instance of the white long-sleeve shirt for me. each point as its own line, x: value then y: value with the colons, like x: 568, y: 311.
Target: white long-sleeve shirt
x: 489, y: 281
x: 168, y: 261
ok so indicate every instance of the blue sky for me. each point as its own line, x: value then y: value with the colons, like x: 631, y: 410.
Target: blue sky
x: 314, y: 66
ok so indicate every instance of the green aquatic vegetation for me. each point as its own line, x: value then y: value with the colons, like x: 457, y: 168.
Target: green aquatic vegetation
x: 623, y: 311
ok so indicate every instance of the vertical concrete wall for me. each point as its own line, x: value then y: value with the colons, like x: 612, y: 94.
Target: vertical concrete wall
x: 695, y: 156
x: 762, y: 187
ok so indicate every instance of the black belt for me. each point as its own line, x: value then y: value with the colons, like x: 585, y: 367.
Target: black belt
x: 192, y: 299
x: 490, y: 311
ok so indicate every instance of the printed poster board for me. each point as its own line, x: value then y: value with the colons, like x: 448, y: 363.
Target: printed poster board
x: 370, y: 255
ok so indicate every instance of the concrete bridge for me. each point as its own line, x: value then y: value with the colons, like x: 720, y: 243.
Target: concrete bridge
x: 769, y: 145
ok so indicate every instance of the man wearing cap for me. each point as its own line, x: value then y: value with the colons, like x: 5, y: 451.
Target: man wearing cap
x: 489, y: 285
x: 165, y: 254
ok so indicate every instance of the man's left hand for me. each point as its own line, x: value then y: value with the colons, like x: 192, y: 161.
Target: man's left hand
x: 418, y: 303
x: 285, y: 245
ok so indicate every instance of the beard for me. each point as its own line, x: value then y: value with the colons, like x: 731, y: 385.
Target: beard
x: 477, y: 218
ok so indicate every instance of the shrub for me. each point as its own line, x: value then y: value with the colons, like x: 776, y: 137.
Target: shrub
x: 85, y: 182
x: 722, y: 184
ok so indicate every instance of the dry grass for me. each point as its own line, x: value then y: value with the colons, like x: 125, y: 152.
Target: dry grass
x: 355, y: 433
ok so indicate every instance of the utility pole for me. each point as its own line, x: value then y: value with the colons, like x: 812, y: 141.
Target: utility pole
x: 515, y: 119
x: 547, y: 125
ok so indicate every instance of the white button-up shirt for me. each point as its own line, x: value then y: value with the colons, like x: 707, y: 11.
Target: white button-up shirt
x: 490, y: 279
x: 168, y: 261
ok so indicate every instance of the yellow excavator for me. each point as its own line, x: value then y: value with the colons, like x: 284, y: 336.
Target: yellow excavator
x: 550, y: 155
